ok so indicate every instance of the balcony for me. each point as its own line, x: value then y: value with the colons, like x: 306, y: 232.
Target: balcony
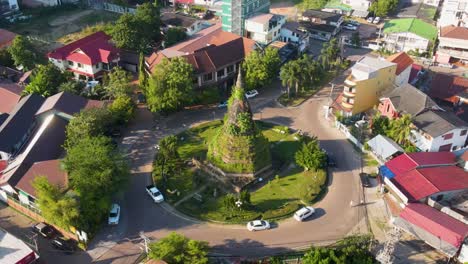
x: 461, y: 54
x: 349, y: 91
x: 349, y: 81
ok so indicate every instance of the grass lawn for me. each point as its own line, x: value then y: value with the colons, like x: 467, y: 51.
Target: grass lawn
x: 369, y: 161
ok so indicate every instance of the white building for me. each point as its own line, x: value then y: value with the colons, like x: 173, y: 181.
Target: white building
x: 438, y: 131
x: 293, y: 32
x: 454, y: 12
x: 358, y: 4
x: 264, y: 28
x: 404, y: 65
x: 190, y: 24
x: 407, y: 34
x: 453, y: 43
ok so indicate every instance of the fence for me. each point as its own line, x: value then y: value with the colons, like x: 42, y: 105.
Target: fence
x: 348, y: 134
x: 117, y: 8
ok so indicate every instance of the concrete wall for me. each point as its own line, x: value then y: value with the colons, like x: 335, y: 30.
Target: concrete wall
x: 405, y: 41
x: 403, y: 77
x: 433, y: 144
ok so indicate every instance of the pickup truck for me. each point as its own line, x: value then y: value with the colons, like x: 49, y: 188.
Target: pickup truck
x: 154, y: 193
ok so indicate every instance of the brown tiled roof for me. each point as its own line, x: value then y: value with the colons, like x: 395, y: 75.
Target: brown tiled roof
x: 454, y: 32
x: 213, y: 49
x: 68, y: 103
x: 261, y: 18
x: 447, y: 87
x: 50, y: 169
x: 6, y: 37
x: 402, y: 60
x: 10, y: 94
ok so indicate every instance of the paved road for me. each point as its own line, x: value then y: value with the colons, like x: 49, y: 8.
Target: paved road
x: 334, y: 218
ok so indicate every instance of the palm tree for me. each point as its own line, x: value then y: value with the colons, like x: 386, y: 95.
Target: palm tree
x: 288, y: 75
x: 401, y: 129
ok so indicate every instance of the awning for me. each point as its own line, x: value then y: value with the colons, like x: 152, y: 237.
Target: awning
x: 386, y: 172
x: 360, y: 13
x: 384, y: 147
x: 442, y: 58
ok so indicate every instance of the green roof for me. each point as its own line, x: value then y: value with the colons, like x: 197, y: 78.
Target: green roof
x: 336, y: 4
x: 412, y: 25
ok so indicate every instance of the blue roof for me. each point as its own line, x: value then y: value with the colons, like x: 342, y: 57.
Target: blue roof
x: 386, y: 172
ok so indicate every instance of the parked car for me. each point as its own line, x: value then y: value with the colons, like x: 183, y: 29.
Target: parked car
x: 251, y: 93
x: 114, y: 215
x: 154, y: 193
x: 223, y: 104
x: 258, y: 225
x: 63, y: 245
x: 376, y: 20
x: 301, y: 214
x: 365, y: 180
x: 45, y: 230
x: 349, y: 27
x: 354, y: 23
x: 370, y: 19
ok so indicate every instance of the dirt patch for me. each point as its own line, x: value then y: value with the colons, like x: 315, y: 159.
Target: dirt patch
x: 61, y: 20
x: 287, y: 8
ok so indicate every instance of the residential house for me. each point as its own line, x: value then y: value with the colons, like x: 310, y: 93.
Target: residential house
x: 404, y: 65
x: 464, y: 160
x: 87, y: 58
x: 362, y: 88
x: 405, y: 99
x: 434, y: 227
x: 322, y: 25
x: 214, y: 54
x: 235, y: 12
x: 190, y: 24
x: 449, y: 89
x: 438, y: 131
x: 32, y: 139
x: 407, y: 34
x: 264, y: 28
x: 293, y: 32
x: 6, y: 37
x: 10, y: 94
x: 453, y: 43
x: 384, y: 148
x: 453, y: 12
x: 358, y: 4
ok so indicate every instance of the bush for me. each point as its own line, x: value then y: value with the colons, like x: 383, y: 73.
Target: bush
x: 122, y: 109
x: 286, y: 210
x: 209, y: 95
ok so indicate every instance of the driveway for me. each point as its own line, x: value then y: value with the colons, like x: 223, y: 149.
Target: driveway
x: 335, y: 218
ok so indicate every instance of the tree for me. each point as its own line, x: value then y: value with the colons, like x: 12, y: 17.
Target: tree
x: 313, y: 4
x: 46, y: 80
x: 400, y: 129
x: 229, y: 202
x: 261, y: 67
x: 142, y: 75
x: 177, y: 249
x: 171, y: 86
x: 382, y: 8
x: 330, y: 54
x: 140, y: 31
x: 6, y: 59
x: 88, y: 123
x: 122, y: 109
x: 380, y: 125
x: 96, y: 172
x: 174, y: 35
x: 289, y: 75
x: 244, y: 197
x: 310, y: 156
x: 71, y: 87
x: 117, y: 83
x: 22, y: 52
x: 57, y: 207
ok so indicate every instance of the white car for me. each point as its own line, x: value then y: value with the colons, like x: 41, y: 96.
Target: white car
x: 251, y: 93
x: 303, y: 213
x: 370, y: 19
x: 114, y: 215
x: 154, y: 193
x: 376, y: 20
x: 258, y: 225
x: 349, y: 27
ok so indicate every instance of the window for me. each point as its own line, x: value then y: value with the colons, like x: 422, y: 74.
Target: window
x: 208, y: 77
x: 230, y: 68
x: 220, y: 73
x: 463, y: 132
x: 388, y: 108
x: 70, y: 63
x: 448, y: 136
x: 80, y: 65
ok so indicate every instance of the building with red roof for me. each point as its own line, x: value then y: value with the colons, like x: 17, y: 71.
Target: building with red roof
x: 6, y: 38
x: 448, y: 88
x: 453, y: 43
x: 87, y: 58
x: 434, y: 227
x: 10, y: 94
x: 409, y: 161
x: 403, y: 71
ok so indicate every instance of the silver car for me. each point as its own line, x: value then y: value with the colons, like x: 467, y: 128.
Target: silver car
x: 258, y: 225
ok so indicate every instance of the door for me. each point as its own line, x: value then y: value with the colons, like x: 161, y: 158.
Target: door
x: 447, y: 147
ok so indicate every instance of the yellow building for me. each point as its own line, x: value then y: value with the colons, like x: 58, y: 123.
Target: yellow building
x: 368, y: 79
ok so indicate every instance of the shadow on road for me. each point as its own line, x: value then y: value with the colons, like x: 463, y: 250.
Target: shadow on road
x: 247, y: 248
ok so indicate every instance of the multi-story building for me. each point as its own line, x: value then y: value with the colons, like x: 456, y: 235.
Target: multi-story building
x: 358, y: 4
x: 264, y: 28
x: 190, y: 24
x: 320, y: 24
x: 368, y: 79
x: 293, y: 32
x: 234, y: 13
x: 87, y: 58
x: 214, y: 54
x: 404, y: 66
x: 407, y: 34
x: 453, y: 43
x: 455, y: 13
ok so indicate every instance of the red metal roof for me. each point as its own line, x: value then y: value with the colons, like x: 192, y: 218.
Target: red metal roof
x: 402, y: 60
x: 89, y: 50
x: 435, y: 222
x: 6, y: 37
x: 408, y: 161
x: 423, y: 182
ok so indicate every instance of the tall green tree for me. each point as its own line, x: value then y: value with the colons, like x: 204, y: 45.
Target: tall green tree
x: 71, y: 86
x: 400, y: 129
x: 382, y: 8
x: 310, y: 155
x: 6, y: 59
x: 46, y: 80
x: 289, y: 75
x: 139, y: 31
x: 22, y: 52
x: 56, y: 206
x: 142, y: 74
x: 174, y: 35
x: 122, y: 109
x: 170, y: 87
x: 330, y: 54
x: 261, y: 67
x: 177, y: 249
x: 118, y: 83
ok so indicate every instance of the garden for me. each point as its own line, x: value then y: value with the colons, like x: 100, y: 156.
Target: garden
x: 271, y: 198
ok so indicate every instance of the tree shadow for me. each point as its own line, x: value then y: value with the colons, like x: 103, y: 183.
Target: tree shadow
x: 247, y: 248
